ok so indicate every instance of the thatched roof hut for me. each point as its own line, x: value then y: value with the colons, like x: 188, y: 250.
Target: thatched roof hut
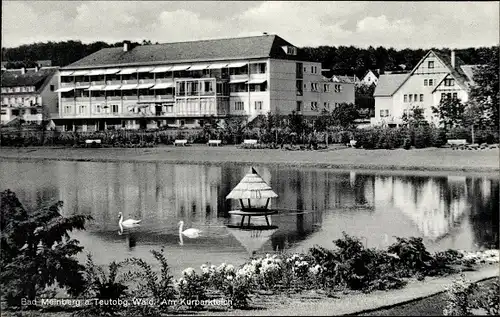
x: 252, y: 186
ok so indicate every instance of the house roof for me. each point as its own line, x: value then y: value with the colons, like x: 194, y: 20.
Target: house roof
x: 194, y: 51
x: 252, y: 186
x: 388, y: 84
x: 469, y: 71
x: 31, y: 78
x: 374, y: 71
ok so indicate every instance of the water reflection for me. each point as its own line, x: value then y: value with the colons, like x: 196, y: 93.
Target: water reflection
x: 448, y: 212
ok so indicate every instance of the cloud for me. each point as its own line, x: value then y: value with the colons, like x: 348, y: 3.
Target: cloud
x: 390, y: 24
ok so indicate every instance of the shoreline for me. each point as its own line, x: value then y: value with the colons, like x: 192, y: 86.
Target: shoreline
x: 430, y: 160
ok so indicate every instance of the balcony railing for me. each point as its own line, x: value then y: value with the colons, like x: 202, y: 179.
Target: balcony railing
x: 113, y: 98
x: 164, y: 97
x: 146, y: 97
x: 82, y: 99
x: 146, y: 81
x: 97, y: 83
x: 67, y: 84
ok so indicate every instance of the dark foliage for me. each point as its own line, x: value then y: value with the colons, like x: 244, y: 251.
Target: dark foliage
x: 37, y: 250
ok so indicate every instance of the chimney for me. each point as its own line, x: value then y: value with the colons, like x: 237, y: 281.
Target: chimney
x: 23, y: 70
x: 126, y: 46
x: 453, y: 59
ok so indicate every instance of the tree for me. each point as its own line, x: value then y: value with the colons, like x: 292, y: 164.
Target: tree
x: 37, y: 250
x: 344, y: 115
x: 450, y: 112
x: 415, y: 117
x: 484, y: 94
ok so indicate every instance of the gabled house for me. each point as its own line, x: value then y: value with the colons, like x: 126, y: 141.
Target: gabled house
x: 29, y: 95
x: 371, y: 77
x: 435, y: 77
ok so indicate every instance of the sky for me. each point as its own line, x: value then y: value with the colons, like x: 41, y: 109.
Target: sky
x: 389, y: 24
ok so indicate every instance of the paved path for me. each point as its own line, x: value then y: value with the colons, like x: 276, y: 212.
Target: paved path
x: 358, y: 303
x: 427, y: 160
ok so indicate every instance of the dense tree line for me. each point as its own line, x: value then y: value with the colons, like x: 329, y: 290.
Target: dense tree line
x: 343, y: 59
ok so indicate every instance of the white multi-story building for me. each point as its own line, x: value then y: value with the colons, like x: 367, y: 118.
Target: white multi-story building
x: 29, y: 94
x: 435, y: 77
x: 184, y: 83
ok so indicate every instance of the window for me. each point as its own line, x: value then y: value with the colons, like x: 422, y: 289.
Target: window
x: 312, y: 69
x: 431, y: 82
x: 421, y: 97
x: 455, y: 95
x: 239, y: 105
x: 410, y: 96
x: 425, y: 82
x: 258, y: 105
x: 338, y: 88
x: 443, y: 96
x: 298, y: 86
x: 114, y: 108
x: 326, y: 105
x: 384, y: 113
x: 290, y: 50
x: 326, y: 88
x: 405, y: 98
x: 449, y: 82
x: 305, y: 69
x: 67, y: 109
x: 81, y: 109
x: 298, y: 70
x: 52, y: 88
x: 97, y: 108
x: 448, y: 95
x: 430, y: 64
x: 314, y: 106
x: 415, y: 98
x: 299, y: 106
x: 5, y: 100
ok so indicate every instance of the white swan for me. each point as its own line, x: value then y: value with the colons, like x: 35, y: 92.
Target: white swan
x: 129, y: 223
x: 190, y: 233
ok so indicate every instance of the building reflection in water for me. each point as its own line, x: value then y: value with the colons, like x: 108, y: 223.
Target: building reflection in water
x: 447, y: 211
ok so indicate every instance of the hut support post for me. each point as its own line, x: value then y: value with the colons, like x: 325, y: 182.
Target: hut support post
x: 249, y: 203
x: 267, y: 202
x: 241, y: 202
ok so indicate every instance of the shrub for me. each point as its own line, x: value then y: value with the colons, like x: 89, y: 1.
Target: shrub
x: 37, y: 250
x: 192, y: 288
x: 459, y: 295
x: 160, y: 287
x: 407, y: 144
x: 412, y: 254
x: 102, y: 286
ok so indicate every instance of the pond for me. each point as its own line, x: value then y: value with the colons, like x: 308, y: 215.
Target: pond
x: 453, y: 211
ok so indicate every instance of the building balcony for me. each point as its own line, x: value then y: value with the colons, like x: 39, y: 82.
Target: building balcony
x: 238, y: 77
x: 67, y: 84
x: 147, y: 98
x: 164, y: 98
x: 113, y: 98
x: 68, y: 100
x: 130, y: 98
x: 82, y: 83
x: 82, y: 99
x: 100, y: 99
x: 147, y: 81
x: 113, y: 82
x: 97, y: 83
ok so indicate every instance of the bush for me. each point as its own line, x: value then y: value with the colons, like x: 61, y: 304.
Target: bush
x: 102, y: 286
x: 159, y: 287
x: 412, y: 254
x: 37, y: 250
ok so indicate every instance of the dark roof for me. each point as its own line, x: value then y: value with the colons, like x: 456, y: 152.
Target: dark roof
x: 374, y: 71
x: 205, y: 50
x: 30, y: 78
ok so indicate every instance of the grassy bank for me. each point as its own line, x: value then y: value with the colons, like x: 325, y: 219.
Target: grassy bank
x: 429, y: 159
